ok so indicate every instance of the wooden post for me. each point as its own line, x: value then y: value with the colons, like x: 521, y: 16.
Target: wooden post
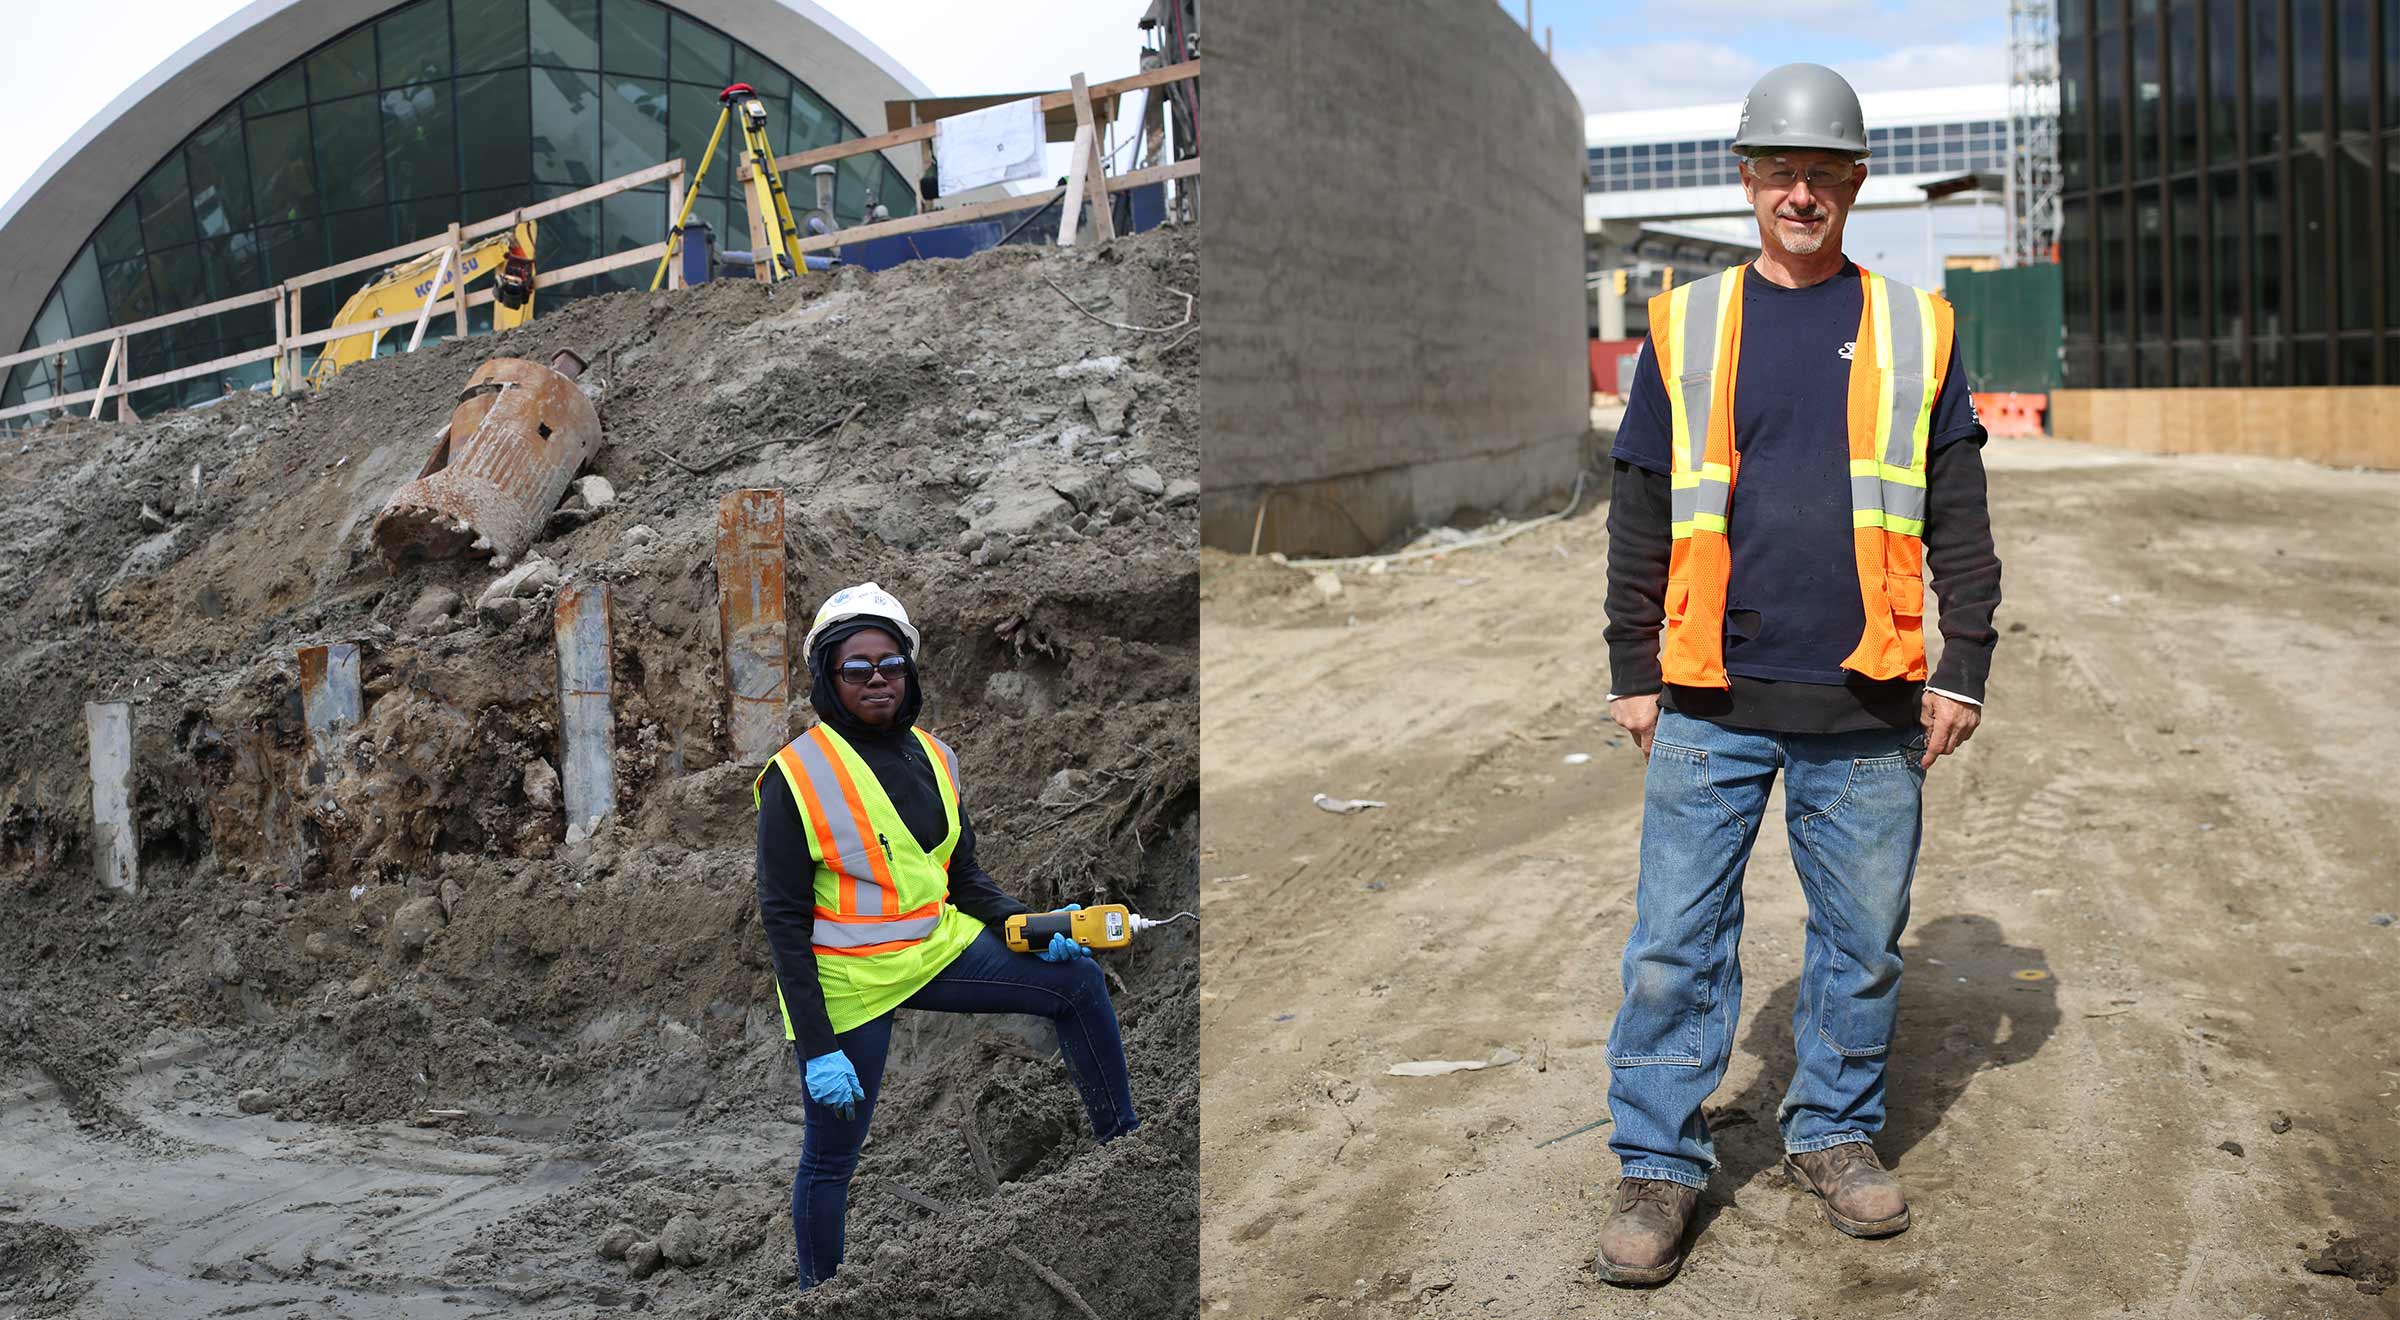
x: 1091, y: 162
x: 432, y: 296
x: 1070, y: 213
x: 292, y: 325
x: 458, y: 284
x: 762, y: 262
x: 116, y: 354
x: 674, y: 210
x: 281, y: 334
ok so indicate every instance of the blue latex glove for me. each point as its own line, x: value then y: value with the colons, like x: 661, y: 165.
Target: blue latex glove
x: 832, y: 1082
x: 1063, y: 949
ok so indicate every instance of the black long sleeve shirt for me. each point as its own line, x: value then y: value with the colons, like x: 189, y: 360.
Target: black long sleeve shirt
x: 1959, y: 558
x: 787, y: 874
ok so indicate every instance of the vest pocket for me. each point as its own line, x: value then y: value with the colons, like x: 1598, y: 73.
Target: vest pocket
x: 1679, y: 598
x: 1906, y: 594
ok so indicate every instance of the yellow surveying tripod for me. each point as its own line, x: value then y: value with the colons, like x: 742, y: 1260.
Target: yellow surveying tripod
x: 781, y: 260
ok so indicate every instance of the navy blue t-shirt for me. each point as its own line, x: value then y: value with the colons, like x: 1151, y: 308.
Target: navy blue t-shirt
x: 1792, y: 610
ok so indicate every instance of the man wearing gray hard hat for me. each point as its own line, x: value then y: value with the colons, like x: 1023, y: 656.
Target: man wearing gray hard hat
x: 1772, y: 524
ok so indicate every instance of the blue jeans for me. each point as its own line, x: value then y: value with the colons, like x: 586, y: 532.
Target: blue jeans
x: 1852, y: 807
x: 985, y: 977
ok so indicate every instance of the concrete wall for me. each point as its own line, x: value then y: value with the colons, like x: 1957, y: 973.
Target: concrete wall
x: 1395, y: 319
x: 2346, y: 426
x: 46, y: 222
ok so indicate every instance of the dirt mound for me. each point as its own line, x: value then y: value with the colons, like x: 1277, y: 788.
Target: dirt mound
x: 1017, y: 473
x: 40, y: 1268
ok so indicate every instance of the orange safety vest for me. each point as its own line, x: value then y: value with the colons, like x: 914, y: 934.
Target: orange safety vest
x: 1896, y: 368
x: 884, y: 925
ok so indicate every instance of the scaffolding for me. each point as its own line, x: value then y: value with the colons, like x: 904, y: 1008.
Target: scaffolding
x: 2033, y: 106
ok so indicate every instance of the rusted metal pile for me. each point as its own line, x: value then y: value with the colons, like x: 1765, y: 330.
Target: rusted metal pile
x: 520, y: 433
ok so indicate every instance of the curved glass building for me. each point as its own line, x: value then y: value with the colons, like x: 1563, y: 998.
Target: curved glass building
x: 217, y: 176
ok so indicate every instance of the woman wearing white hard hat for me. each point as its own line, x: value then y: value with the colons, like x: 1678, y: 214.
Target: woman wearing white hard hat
x: 872, y: 901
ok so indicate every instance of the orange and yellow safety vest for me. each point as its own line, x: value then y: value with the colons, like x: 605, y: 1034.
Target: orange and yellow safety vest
x: 1896, y: 369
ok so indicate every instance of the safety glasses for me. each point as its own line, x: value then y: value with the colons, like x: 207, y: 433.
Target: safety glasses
x: 1784, y: 172
x: 857, y: 672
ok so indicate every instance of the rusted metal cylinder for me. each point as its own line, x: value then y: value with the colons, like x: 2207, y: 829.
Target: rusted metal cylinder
x: 519, y: 435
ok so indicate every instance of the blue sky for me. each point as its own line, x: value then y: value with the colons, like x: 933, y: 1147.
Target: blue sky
x: 1654, y: 54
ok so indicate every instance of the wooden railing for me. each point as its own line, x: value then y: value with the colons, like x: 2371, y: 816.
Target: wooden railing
x: 291, y: 336
x: 1087, y: 172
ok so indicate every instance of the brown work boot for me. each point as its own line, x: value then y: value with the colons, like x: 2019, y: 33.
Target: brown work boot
x: 1642, y: 1241
x: 1861, y: 1198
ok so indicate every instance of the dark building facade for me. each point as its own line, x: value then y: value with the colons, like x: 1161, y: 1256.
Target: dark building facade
x: 2231, y: 216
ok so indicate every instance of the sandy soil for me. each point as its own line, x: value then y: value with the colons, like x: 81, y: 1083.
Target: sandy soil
x: 2144, y: 928
x: 207, y: 1092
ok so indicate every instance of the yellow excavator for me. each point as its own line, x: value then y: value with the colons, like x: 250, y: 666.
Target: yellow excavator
x: 506, y: 256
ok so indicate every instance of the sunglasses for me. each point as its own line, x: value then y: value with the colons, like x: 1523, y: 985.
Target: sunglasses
x: 857, y: 672
x: 1782, y: 172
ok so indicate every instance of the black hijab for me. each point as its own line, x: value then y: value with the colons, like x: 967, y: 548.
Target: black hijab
x: 826, y: 698
x: 891, y: 752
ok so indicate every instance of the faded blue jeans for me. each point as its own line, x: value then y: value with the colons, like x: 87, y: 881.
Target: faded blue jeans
x: 1852, y: 808
x: 986, y: 977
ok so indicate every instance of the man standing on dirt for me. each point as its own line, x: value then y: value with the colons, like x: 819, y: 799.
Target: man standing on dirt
x: 1773, y: 516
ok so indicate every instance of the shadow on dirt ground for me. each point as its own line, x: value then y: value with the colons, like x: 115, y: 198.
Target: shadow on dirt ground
x: 1952, y: 1026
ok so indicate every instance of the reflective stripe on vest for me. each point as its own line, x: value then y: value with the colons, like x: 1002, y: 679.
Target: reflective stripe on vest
x: 876, y: 888
x: 1895, y: 373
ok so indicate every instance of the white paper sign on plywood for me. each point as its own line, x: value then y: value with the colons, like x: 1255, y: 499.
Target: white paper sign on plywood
x: 997, y: 144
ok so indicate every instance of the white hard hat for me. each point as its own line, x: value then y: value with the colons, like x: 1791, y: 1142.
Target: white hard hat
x: 864, y: 601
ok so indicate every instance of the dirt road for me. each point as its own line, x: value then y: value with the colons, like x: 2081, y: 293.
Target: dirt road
x: 2144, y: 929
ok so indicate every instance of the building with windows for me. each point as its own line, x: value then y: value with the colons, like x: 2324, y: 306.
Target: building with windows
x: 301, y: 133
x: 2229, y: 212
x: 1663, y: 195
x: 1679, y: 163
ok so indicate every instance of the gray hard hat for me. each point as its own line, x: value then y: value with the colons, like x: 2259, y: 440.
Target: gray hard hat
x: 1801, y: 106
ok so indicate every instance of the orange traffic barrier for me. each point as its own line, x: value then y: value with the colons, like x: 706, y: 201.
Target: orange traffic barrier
x: 2011, y: 413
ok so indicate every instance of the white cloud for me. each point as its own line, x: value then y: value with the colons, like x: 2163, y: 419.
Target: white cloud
x: 1661, y: 75
x: 1948, y: 64
x: 1657, y: 75
x: 1864, y: 23
x: 977, y: 47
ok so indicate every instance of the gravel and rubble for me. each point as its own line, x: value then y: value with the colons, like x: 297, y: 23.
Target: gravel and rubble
x: 458, y: 1058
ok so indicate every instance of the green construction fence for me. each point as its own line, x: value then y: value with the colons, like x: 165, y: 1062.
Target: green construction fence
x: 2011, y: 326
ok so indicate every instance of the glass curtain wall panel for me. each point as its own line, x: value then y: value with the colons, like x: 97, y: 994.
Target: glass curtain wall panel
x: 422, y: 115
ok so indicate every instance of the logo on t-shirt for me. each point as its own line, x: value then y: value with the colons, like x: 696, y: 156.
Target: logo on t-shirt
x: 1848, y: 349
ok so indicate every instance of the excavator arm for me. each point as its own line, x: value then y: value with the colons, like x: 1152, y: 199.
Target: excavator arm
x: 507, y: 257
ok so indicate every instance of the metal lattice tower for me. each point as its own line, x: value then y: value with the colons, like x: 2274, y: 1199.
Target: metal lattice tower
x: 2033, y: 171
